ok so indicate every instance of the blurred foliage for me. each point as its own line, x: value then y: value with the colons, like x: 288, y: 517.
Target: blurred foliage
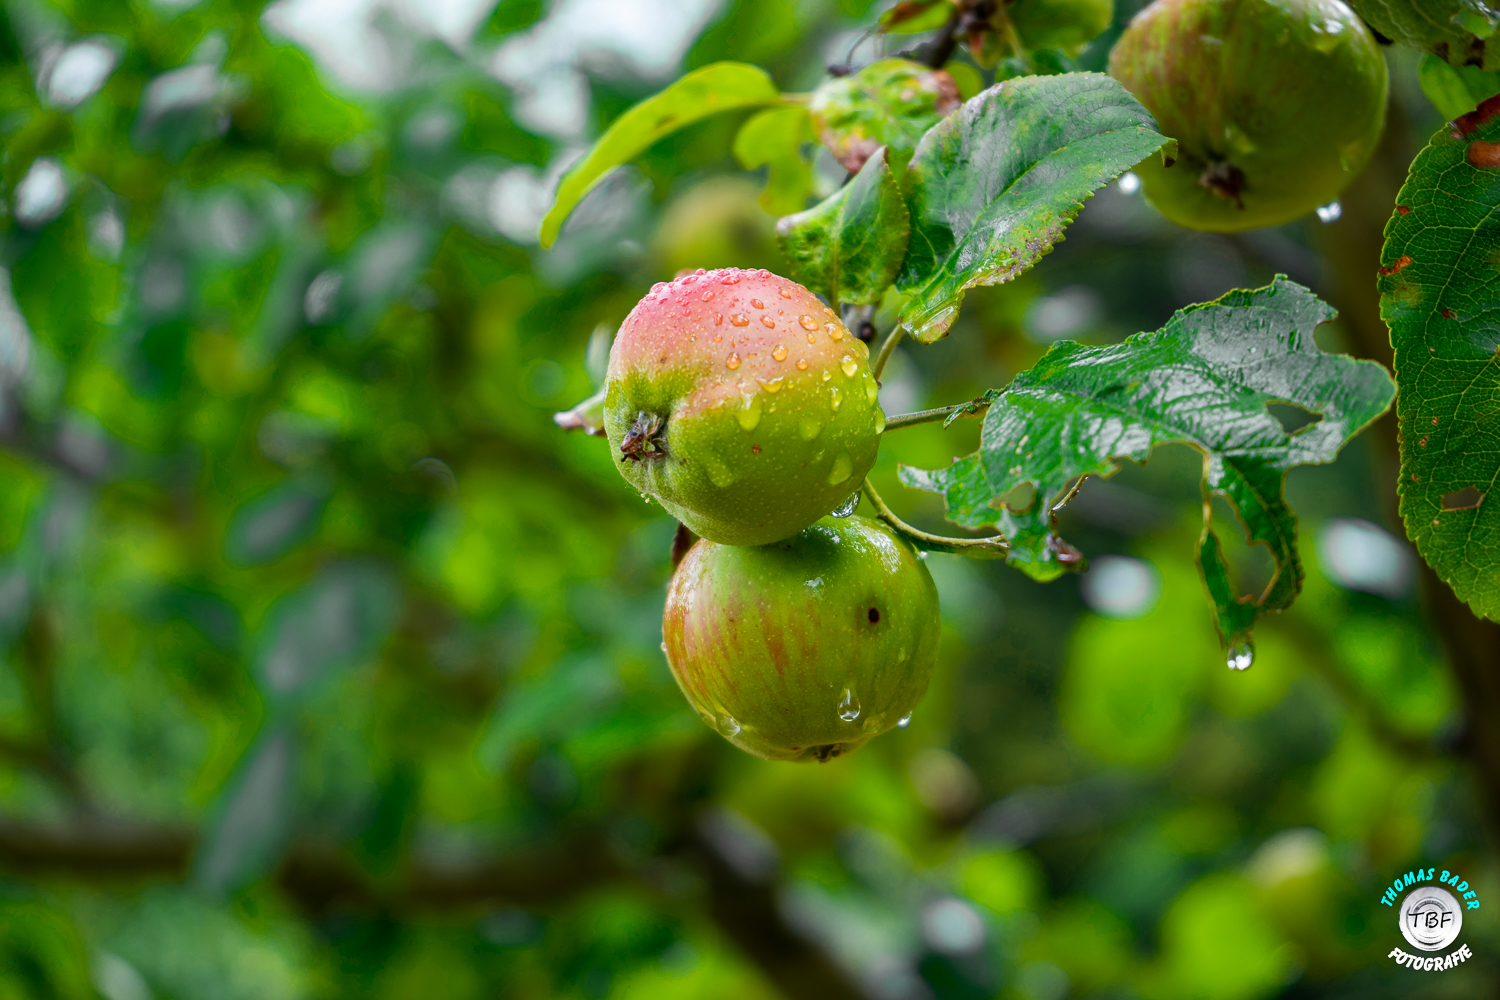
x: 329, y: 667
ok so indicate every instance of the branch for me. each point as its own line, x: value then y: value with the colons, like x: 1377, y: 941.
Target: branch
x: 886, y: 348
x: 992, y: 547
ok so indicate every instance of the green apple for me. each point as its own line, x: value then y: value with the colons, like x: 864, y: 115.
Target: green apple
x: 740, y: 402
x: 1276, y: 105
x: 808, y: 648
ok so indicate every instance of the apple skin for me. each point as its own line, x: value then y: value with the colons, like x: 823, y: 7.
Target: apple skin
x: 772, y: 643
x: 758, y: 407
x: 1276, y: 105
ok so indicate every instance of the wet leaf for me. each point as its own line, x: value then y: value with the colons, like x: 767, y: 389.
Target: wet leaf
x: 891, y: 103
x: 1425, y: 25
x: 330, y: 624
x: 774, y: 138
x: 992, y: 187
x: 1204, y: 380
x: 718, y: 87
x: 849, y: 248
x: 1439, y: 297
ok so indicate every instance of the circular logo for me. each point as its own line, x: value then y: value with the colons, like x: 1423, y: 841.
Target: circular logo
x: 1430, y: 918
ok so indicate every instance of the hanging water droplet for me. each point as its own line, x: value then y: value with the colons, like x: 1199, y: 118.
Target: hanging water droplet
x: 809, y: 428
x: 842, y: 466
x: 729, y: 725
x: 904, y: 721
x: 748, y: 414
x: 780, y: 353
x: 849, y: 706
x: 739, y: 320
x: 771, y: 385
x: 844, y: 509
x: 872, y: 391
x: 879, y: 421
x: 849, y: 365
x: 838, y: 397
x: 1241, y: 656
x: 1330, y: 212
x: 808, y: 323
x: 733, y: 362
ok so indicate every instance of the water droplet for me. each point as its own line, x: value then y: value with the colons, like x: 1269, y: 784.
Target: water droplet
x: 849, y: 706
x: 838, y: 397
x: 757, y: 303
x: 842, y: 466
x: 728, y: 725
x: 733, y: 362
x: 849, y: 365
x: 730, y: 279
x: 879, y: 421
x: 871, y: 391
x: 749, y: 412
x: 771, y: 385
x: 768, y: 322
x: 808, y: 323
x: 718, y: 473
x: 708, y: 295
x: 1241, y: 656
x: 844, y: 509
x: 718, y: 319
x: 658, y: 286
x: 1330, y: 212
x: 786, y: 293
x: 904, y: 721
x: 780, y: 353
x: 663, y: 647
x: 739, y: 320
x: 835, y: 332
x: 808, y: 428
x: 827, y: 375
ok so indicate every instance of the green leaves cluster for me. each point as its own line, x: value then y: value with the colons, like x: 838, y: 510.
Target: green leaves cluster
x: 1204, y: 379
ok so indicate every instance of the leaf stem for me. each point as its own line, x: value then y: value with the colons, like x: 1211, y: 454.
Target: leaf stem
x: 970, y: 408
x: 993, y: 547
x: 886, y: 348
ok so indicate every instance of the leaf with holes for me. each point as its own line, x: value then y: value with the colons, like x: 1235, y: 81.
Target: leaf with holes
x: 993, y: 186
x: 849, y: 247
x: 1206, y: 379
x: 722, y: 86
x: 1439, y: 296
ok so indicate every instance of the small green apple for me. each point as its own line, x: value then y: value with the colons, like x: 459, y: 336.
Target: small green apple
x: 741, y: 402
x: 1276, y: 105
x: 808, y: 648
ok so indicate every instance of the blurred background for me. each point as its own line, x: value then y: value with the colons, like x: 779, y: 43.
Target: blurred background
x: 329, y: 667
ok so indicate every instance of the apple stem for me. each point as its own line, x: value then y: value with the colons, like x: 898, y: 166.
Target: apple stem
x: 886, y: 348
x: 993, y: 547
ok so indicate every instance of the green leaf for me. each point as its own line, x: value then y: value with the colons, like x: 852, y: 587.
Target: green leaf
x: 1425, y: 25
x: 1440, y: 299
x: 718, y: 87
x: 338, y: 619
x: 849, y: 248
x: 1204, y: 380
x: 891, y: 103
x: 1455, y: 90
x: 775, y: 137
x: 254, y: 821
x: 912, y: 17
x: 266, y: 528
x: 992, y: 188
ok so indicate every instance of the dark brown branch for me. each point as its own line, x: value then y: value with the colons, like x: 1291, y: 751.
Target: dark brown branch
x: 941, y: 48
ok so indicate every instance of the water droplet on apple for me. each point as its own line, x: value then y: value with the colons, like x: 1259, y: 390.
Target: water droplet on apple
x: 718, y: 473
x: 780, y: 353
x: 733, y: 362
x: 838, y: 397
x: 849, y: 365
x: 809, y: 428
x: 808, y: 323
x: 846, y: 508
x: 749, y: 412
x: 739, y: 320
x: 728, y: 725
x: 879, y: 421
x: 771, y: 385
x: 802, y: 365
x: 849, y: 706
x: 842, y: 466
x: 904, y: 721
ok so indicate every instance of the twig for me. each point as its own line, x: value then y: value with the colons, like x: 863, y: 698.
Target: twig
x: 993, y: 547
x: 886, y: 348
x: 941, y: 48
x: 947, y: 414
